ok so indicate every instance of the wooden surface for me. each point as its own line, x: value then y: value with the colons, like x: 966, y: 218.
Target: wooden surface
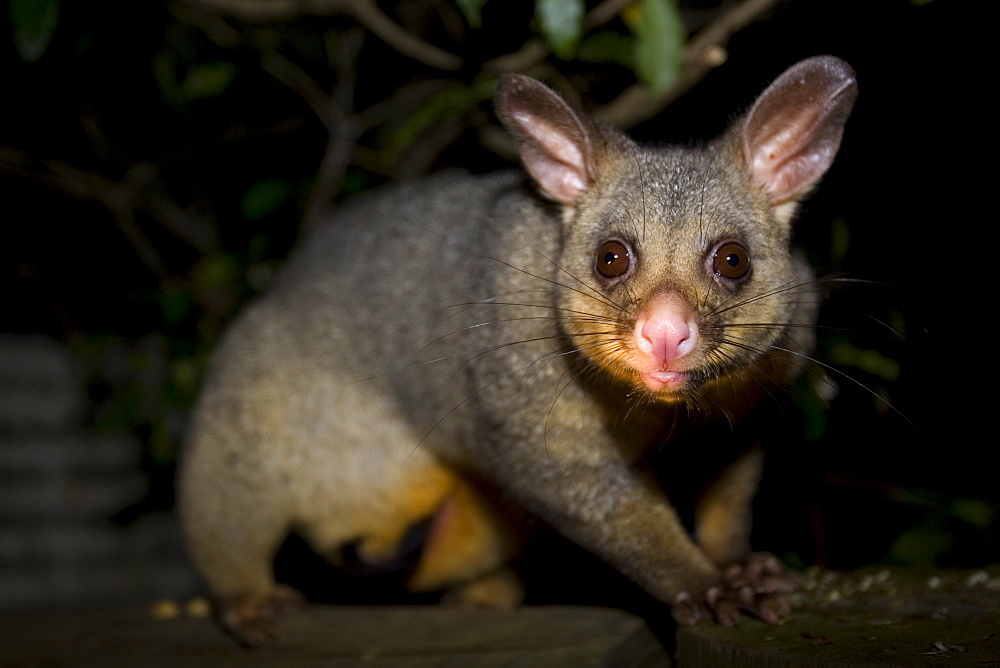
x: 880, y: 618
x: 339, y: 636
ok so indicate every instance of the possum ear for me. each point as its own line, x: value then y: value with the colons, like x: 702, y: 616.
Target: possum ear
x: 793, y: 131
x: 553, y: 139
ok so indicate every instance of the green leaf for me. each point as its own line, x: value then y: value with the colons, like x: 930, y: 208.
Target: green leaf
x: 176, y: 302
x: 840, y: 240
x: 165, y: 73
x: 34, y: 22
x: 606, y: 47
x: 207, y: 80
x: 870, y: 361
x: 215, y: 284
x: 451, y: 102
x: 473, y: 11
x: 659, y: 42
x: 812, y: 409
x: 920, y: 546
x: 264, y: 198
x: 974, y: 512
x: 561, y: 24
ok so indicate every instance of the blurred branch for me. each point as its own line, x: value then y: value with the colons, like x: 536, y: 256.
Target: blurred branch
x: 85, y: 185
x: 365, y: 12
x: 344, y: 130
x: 122, y: 199
x: 604, y: 12
x: 703, y: 53
x: 296, y: 78
x: 345, y: 126
x: 272, y: 62
x: 535, y: 50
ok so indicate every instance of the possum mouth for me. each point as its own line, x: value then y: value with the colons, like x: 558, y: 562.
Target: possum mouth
x: 670, y: 382
x: 678, y: 386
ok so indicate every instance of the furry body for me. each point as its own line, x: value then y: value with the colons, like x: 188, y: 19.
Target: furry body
x: 464, y: 349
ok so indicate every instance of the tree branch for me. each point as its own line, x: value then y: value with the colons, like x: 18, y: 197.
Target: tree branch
x: 365, y: 12
x: 344, y: 130
x: 535, y: 51
x: 703, y: 53
x: 122, y: 199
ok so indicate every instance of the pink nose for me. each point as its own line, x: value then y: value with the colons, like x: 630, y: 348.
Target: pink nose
x: 666, y: 330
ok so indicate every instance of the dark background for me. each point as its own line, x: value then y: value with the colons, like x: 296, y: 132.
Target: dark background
x: 154, y: 171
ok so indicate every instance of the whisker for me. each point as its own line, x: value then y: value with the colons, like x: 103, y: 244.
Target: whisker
x: 628, y: 293
x: 892, y: 330
x: 560, y: 388
x: 842, y: 278
x: 778, y: 326
x: 544, y: 358
x: 847, y: 376
x: 599, y: 296
x: 783, y: 288
x: 791, y: 355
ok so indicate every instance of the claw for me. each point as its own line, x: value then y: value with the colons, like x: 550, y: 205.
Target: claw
x: 252, y: 622
x: 758, y: 586
x: 762, y: 571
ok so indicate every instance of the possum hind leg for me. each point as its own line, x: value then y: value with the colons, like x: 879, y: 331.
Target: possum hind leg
x: 232, y: 542
x: 468, y: 549
x: 374, y: 481
x: 467, y: 543
x: 375, y: 513
x: 241, y: 581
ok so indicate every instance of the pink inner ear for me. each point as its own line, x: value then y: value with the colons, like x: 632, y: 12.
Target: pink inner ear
x: 794, y: 156
x: 553, y: 139
x: 555, y: 161
x: 794, y: 129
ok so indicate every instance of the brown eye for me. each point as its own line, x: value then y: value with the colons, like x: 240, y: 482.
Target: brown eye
x: 613, y: 259
x: 731, y: 260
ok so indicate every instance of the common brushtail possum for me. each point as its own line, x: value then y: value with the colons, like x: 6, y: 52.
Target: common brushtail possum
x: 463, y: 352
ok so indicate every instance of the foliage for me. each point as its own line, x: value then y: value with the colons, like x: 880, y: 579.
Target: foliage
x: 659, y: 41
x: 211, y: 95
x: 33, y: 22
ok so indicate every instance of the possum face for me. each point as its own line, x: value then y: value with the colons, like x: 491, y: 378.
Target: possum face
x: 675, y: 272
x: 687, y: 285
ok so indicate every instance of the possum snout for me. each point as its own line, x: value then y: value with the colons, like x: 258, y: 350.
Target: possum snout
x: 665, y: 336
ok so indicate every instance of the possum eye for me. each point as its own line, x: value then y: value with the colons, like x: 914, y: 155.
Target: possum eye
x: 613, y: 259
x: 731, y: 260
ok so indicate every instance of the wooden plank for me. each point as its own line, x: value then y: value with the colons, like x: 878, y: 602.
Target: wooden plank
x: 339, y: 636
x: 876, y: 618
x: 880, y: 618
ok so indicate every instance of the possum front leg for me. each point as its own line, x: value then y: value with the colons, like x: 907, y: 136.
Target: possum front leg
x: 723, y: 520
x: 574, y: 471
x: 618, y: 515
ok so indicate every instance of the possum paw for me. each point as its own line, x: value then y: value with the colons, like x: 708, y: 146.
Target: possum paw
x: 252, y: 620
x: 715, y: 605
x: 724, y: 606
x: 763, y: 572
x: 759, y: 586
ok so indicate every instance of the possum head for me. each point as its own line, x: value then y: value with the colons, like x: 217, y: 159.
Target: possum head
x: 676, y: 273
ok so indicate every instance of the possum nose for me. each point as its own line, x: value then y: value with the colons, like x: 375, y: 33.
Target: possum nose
x: 666, y: 330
